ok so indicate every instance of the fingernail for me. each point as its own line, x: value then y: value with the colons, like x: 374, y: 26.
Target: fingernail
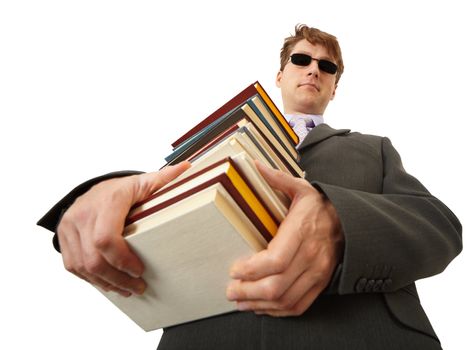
x: 140, y: 289
x: 124, y: 293
x: 133, y: 274
x: 235, y: 274
x: 243, y: 306
x: 231, y: 294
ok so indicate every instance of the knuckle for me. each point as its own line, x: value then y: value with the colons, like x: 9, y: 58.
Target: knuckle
x: 302, y: 182
x: 278, y: 262
x: 69, y: 267
x: 283, y: 177
x: 94, y: 265
x: 326, y: 264
x: 103, y: 241
x: 310, y: 253
x: 121, y: 263
x: 141, y: 184
x: 315, y: 277
x: 285, y: 304
x: 308, y: 226
x: 82, y: 270
x: 271, y: 291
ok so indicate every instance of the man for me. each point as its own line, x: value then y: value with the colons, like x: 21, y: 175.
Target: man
x: 340, y: 272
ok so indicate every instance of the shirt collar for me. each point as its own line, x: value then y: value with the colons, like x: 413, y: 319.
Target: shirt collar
x: 317, y: 118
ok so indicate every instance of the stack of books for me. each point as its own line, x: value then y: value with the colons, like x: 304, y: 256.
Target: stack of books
x: 189, y: 233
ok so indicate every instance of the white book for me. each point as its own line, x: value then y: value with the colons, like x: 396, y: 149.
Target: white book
x: 188, y: 249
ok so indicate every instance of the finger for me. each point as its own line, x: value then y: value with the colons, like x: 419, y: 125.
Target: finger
x: 297, y: 310
x: 116, y: 280
x: 294, y: 298
x: 150, y: 182
x: 269, y: 288
x: 273, y: 260
x: 107, y: 239
x: 281, y: 181
x: 107, y: 255
x: 279, y: 253
x: 118, y: 291
x: 71, y: 251
x: 96, y: 265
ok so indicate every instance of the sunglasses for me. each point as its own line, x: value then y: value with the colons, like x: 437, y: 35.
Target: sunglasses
x: 301, y: 59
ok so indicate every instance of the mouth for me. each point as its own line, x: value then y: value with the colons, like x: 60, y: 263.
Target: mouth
x: 312, y: 85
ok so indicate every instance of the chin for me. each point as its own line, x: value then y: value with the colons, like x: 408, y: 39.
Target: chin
x: 308, y: 106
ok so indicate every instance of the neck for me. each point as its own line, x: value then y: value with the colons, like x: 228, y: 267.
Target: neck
x: 302, y: 112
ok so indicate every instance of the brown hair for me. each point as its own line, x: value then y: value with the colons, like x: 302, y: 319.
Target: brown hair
x: 313, y: 36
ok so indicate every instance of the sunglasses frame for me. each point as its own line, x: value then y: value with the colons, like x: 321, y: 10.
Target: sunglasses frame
x: 303, y: 60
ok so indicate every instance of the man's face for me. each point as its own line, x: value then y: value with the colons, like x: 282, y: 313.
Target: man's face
x: 306, y: 89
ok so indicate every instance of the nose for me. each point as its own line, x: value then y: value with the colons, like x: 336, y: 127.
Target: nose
x: 313, y: 68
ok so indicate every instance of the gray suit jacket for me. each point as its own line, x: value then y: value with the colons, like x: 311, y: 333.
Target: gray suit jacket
x: 395, y: 231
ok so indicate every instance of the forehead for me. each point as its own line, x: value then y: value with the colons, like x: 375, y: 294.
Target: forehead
x: 316, y: 51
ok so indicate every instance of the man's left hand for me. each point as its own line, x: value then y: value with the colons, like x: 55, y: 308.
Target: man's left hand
x: 286, y: 277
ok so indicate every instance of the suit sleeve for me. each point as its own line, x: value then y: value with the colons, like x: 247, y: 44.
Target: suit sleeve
x: 393, y: 238
x: 52, y: 218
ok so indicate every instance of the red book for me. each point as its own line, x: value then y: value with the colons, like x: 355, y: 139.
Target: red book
x: 233, y: 180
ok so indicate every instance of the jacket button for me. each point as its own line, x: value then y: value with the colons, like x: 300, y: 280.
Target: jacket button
x: 369, y: 286
x: 378, y: 285
x: 360, y: 285
x: 387, y: 284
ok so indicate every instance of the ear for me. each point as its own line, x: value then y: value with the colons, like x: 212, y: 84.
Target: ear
x: 278, y: 78
x: 334, y: 92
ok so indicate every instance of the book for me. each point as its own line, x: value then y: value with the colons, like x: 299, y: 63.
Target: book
x: 188, y: 236
x: 242, y: 114
x: 224, y: 171
x: 276, y: 202
x: 250, y: 91
x: 187, y: 251
x: 189, y: 232
x: 265, y: 127
x: 245, y: 139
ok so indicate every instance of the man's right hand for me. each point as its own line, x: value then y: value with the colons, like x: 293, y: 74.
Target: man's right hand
x: 90, y: 232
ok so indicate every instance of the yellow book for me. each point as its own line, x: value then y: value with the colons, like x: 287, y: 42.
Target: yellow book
x: 277, y: 113
x: 224, y: 171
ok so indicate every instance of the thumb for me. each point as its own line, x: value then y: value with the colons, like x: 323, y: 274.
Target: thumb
x: 279, y: 180
x: 151, y: 182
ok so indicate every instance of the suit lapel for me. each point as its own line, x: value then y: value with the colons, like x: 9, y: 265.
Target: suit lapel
x: 319, y: 133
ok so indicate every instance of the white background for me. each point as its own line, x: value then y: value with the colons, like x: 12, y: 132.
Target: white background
x: 88, y: 87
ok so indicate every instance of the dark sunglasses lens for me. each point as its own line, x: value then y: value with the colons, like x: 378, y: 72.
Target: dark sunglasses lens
x: 300, y: 59
x: 327, y: 66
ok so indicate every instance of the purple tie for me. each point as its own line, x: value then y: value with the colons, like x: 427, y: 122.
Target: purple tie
x: 301, y: 125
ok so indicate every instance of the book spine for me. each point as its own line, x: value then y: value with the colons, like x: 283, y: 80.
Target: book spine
x: 276, y: 112
x: 213, y: 143
x: 231, y: 104
x: 232, y: 190
x: 273, y: 132
x: 224, y: 123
